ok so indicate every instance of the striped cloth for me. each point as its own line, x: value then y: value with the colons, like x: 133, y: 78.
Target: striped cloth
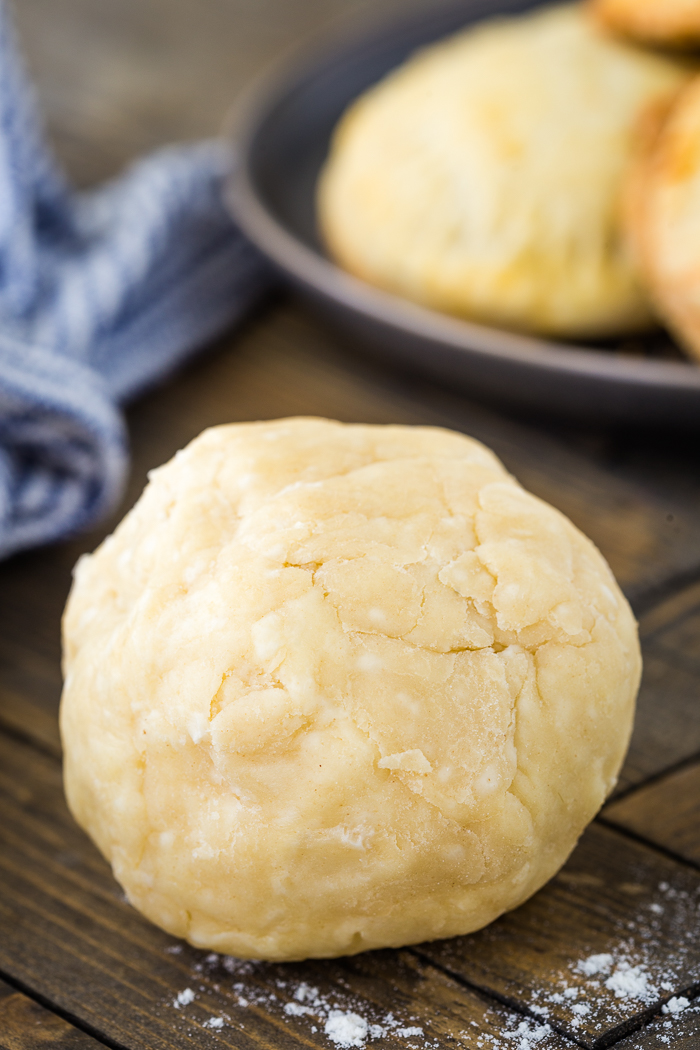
x: 101, y: 295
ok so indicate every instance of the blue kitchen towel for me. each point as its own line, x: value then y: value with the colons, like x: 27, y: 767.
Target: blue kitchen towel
x: 102, y: 293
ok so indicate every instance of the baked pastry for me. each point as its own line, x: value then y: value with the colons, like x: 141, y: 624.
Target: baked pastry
x: 664, y: 216
x: 333, y: 687
x: 669, y: 22
x: 482, y: 178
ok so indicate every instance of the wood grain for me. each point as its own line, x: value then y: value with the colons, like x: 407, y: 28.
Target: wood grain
x: 680, y: 1031
x: 665, y: 614
x: 156, y: 72
x: 666, y: 812
x: 26, y: 1025
x: 667, y: 724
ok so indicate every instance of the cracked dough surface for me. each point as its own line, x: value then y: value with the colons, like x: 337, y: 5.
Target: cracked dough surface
x: 335, y: 687
x: 482, y: 177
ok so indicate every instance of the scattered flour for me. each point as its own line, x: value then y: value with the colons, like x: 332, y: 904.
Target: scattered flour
x: 337, y: 1016
x: 343, y: 1027
x: 631, y: 982
x: 676, y: 1005
x: 595, y: 964
x: 183, y: 998
x: 297, y: 1010
x: 346, y: 1029
x: 652, y: 958
x: 518, y: 1033
x: 654, y: 955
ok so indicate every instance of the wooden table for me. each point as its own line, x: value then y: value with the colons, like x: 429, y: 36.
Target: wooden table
x: 81, y: 969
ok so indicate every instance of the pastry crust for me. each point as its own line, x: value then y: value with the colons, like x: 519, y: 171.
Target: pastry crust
x: 331, y: 688
x: 664, y: 216
x: 668, y: 22
x: 483, y: 177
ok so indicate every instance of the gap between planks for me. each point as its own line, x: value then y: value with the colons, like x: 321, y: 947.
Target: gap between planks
x: 27, y: 1022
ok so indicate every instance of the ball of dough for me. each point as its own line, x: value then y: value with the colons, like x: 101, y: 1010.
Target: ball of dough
x: 672, y: 22
x: 334, y: 687
x: 664, y: 217
x: 482, y: 178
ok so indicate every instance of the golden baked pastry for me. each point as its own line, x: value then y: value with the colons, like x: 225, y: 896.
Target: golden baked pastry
x: 664, y: 216
x: 333, y: 687
x: 669, y: 22
x: 482, y: 178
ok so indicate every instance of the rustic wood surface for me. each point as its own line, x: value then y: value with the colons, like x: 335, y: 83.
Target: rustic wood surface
x: 666, y: 812
x: 83, y: 969
x: 26, y: 1024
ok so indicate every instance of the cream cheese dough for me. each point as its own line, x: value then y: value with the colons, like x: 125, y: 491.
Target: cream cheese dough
x: 333, y: 687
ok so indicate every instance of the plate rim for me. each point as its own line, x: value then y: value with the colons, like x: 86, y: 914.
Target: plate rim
x: 321, y: 276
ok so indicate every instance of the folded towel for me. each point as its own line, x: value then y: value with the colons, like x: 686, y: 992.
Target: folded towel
x: 101, y: 294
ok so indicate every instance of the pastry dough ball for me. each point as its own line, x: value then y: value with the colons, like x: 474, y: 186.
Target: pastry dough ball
x: 482, y: 178
x: 664, y: 215
x: 675, y: 22
x: 333, y: 687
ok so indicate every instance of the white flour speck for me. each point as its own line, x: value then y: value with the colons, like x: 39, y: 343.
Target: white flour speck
x: 630, y: 982
x: 297, y: 1010
x: 306, y: 993
x: 346, y: 1029
x: 214, y: 1022
x: 676, y: 1005
x: 528, y: 1034
x: 183, y: 998
x: 601, y: 963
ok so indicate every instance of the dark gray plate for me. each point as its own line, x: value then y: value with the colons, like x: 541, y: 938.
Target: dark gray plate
x: 283, y: 137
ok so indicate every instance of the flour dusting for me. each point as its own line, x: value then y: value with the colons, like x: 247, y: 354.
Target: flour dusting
x: 183, y: 998
x: 649, y: 964
x: 676, y: 1005
x: 346, y: 1029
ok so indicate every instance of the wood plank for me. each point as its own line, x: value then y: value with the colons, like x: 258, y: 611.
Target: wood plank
x: 666, y: 812
x: 26, y: 1025
x: 69, y: 935
x: 156, y: 72
x: 667, y: 613
x: 679, y: 642
x: 667, y: 725
x: 599, y: 948
x: 681, y: 1031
